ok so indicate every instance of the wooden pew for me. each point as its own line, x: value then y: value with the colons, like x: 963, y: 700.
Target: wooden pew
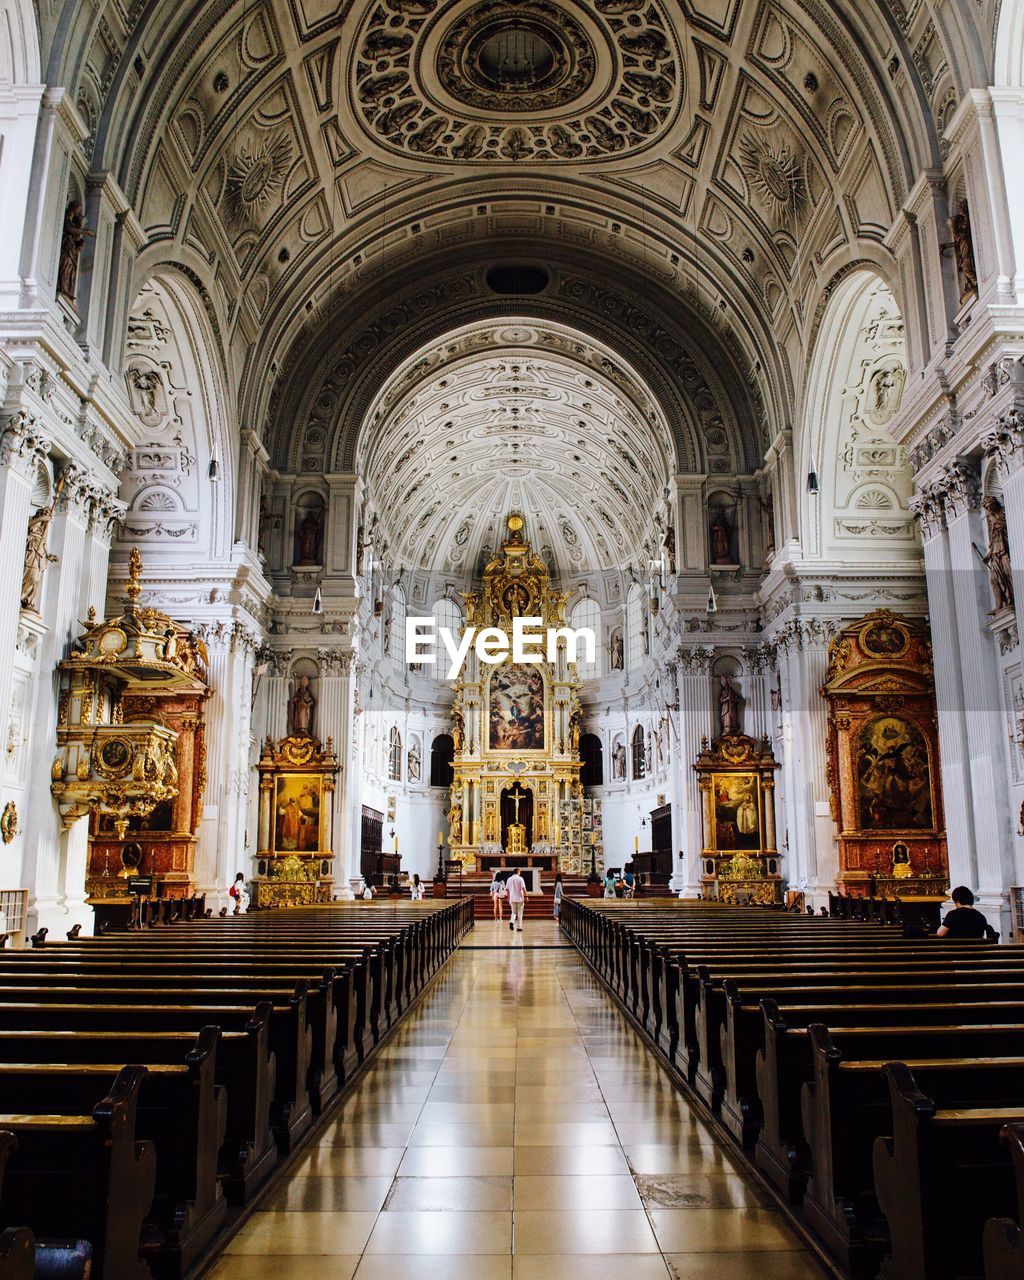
x: 1002, y: 1245
x: 85, y: 1176
x: 245, y: 1069
x: 181, y: 1111
x: 17, y: 1244
x: 938, y: 1178
x: 786, y: 1063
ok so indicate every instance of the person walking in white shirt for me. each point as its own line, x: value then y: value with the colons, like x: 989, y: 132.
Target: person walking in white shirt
x: 516, y: 887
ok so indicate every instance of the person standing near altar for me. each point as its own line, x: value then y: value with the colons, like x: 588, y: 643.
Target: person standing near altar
x: 516, y: 887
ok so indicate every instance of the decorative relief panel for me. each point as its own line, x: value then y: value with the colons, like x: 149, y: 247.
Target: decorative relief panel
x: 486, y: 83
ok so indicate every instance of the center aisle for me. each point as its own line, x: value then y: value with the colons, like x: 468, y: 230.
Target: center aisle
x: 515, y: 1123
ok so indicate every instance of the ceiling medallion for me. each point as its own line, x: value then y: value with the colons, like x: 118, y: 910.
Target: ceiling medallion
x: 531, y: 80
x: 255, y: 176
x: 535, y: 57
x: 775, y: 175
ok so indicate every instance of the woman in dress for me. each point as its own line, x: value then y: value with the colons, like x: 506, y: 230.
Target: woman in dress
x: 497, y: 892
x: 558, y: 894
x: 417, y: 889
x: 239, y: 895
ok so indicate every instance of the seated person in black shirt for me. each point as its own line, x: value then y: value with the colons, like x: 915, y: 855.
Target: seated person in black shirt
x: 963, y: 921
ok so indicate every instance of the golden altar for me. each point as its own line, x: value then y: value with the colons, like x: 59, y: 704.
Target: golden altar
x: 516, y: 726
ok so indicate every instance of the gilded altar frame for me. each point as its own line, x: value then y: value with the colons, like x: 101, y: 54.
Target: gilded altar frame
x: 739, y: 858
x: 882, y: 758
x: 295, y: 857
x: 515, y: 584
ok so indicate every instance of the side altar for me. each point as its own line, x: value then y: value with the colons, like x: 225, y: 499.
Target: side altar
x: 516, y: 726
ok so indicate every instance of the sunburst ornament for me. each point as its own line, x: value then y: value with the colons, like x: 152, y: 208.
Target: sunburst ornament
x: 776, y: 175
x: 256, y: 175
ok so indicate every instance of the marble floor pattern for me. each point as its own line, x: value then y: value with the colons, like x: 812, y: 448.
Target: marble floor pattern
x: 515, y: 1128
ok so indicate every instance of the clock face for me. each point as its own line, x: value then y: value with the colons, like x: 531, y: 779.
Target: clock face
x: 115, y: 754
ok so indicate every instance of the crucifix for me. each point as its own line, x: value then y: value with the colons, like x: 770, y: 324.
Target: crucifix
x: 515, y: 795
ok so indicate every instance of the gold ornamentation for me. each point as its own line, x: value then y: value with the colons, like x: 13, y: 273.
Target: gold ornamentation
x: 9, y: 822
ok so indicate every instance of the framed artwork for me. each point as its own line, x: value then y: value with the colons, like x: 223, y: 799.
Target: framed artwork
x: 736, y: 806
x: 893, y: 776
x: 516, y: 709
x: 297, y: 803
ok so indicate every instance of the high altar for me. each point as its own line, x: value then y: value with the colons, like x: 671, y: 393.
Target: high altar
x: 516, y: 726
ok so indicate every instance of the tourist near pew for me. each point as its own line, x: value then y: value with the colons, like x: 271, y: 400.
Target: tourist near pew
x: 85, y: 1176
x: 786, y: 1063
x: 939, y: 1175
x: 181, y: 1111
x: 1002, y: 1243
x: 846, y: 1106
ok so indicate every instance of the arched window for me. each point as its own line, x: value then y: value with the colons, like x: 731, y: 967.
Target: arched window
x: 447, y: 614
x: 395, y: 755
x: 442, y: 753
x: 396, y: 647
x: 636, y: 623
x: 592, y: 755
x: 639, y: 753
x: 588, y: 614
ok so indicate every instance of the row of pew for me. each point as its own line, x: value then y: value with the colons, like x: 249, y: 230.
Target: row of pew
x: 151, y: 1081
x: 877, y: 1081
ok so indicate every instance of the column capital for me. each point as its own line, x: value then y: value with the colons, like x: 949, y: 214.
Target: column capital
x: 804, y: 633
x: 926, y: 508
x: 334, y: 662
x: 105, y: 513
x: 75, y: 487
x: 695, y: 660
x: 23, y: 445
x: 1005, y: 441
x: 758, y: 658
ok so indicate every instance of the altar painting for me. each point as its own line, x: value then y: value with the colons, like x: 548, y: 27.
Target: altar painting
x: 297, y: 813
x: 737, y: 811
x: 517, y: 709
x: 893, y: 776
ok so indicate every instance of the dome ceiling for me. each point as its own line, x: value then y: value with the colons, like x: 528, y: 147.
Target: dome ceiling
x: 454, y: 445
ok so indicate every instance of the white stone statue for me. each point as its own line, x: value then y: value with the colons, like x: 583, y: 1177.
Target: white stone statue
x: 36, y: 558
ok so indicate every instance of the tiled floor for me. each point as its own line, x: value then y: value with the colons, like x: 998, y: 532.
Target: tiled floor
x: 517, y: 1128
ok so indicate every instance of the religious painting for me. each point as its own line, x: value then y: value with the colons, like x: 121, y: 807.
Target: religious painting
x: 893, y: 776
x: 884, y: 639
x: 517, y: 709
x: 297, y: 813
x: 737, y: 811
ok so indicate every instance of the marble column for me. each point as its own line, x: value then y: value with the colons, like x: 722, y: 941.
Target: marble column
x: 23, y: 451
x: 808, y: 837
x: 19, y: 126
x: 984, y: 719
x: 949, y: 692
x: 335, y: 720
x: 695, y: 724
x: 222, y: 848
x: 54, y: 859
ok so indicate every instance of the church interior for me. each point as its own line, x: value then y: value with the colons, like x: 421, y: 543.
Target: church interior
x: 687, y: 333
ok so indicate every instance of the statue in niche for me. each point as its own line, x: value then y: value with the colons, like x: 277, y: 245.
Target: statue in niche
x: 145, y: 391
x: 309, y: 539
x: 300, y: 709
x: 455, y: 825
x: 721, y: 538
x: 616, y: 650
x: 458, y: 730
x: 619, y: 760
x: 998, y: 558
x: 963, y: 250
x: 668, y: 546
x: 575, y: 722
x: 37, y: 557
x: 728, y: 707
x: 360, y: 549
x: 414, y: 762
x: 72, y: 242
